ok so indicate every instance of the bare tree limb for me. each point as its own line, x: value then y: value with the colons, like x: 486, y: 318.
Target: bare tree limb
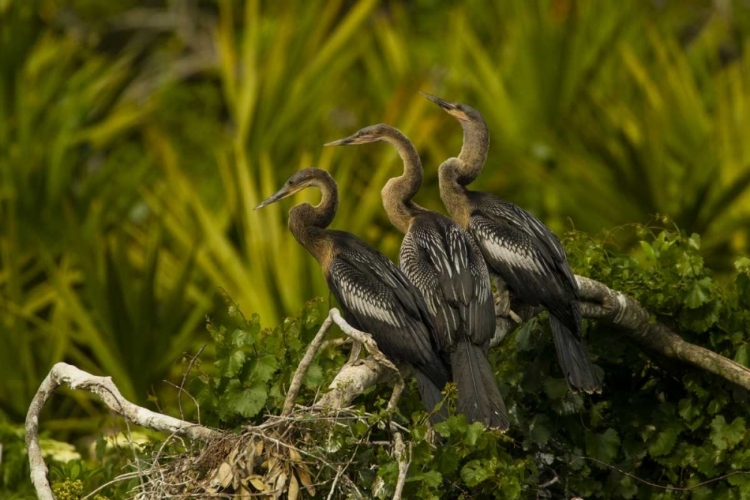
x: 65, y: 374
x: 633, y: 321
x: 304, y: 365
x: 353, y: 380
x: 356, y: 377
x: 404, y: 460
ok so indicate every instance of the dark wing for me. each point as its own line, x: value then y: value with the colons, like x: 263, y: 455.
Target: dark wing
x: 439, y: 258
x: 418, y: 267
x: 482, y: 307
x: 376, y: 294
x: 525, y: 267
x: 516, y: 257
x: 548, y: 244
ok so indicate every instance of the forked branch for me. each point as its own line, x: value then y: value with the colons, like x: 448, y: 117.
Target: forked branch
x: 65, y: 374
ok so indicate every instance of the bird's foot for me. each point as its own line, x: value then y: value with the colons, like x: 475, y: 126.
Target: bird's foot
x: 502, y: 303
x: 354, y: 353
x: 515, y: 317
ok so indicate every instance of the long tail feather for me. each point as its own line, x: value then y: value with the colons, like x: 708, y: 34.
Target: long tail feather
x: 431, y: 395
x: 574, y: 360
x: 478, y: 396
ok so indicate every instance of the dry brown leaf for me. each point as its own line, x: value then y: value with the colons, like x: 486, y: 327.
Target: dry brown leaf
x: 250, y: 451
x: 259, y: 448
x: 236, y: 480
x: 280, y: 483
x: 245, y: 493
x: 270, y: 462
x: 231, y: 459
x: 257, y: 482
x: 224, y: 475
x: 293, y: 488
x: 294, y: 455
x: 306, y: 481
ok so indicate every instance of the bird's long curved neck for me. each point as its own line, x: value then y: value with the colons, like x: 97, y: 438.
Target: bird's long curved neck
x: 399, y: 191
x: 474, y: 150
x: 308, y: 223
x: 454, y: 193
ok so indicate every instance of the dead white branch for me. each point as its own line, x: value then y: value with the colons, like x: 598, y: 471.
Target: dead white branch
x: 304, y: 365
x: 65, y: 374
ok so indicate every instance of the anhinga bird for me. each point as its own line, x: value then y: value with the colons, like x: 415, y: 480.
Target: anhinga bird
x: 521, y: 250
x: 445, y: 264
x: 374, y: 294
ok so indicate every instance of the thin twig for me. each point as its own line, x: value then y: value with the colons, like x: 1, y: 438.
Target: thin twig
x: 362, y: 337
x: 121, y: 477
x: 398, y: 388
x: 304, y: 365
x: 195, y: 401
x: 182, y: 386
x: 667, y: 487
x: 399, y: 450
x: 335, y: 482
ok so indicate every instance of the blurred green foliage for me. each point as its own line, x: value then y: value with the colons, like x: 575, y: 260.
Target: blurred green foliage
x: 135, y: 138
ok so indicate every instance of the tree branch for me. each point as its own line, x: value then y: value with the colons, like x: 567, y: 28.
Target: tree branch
x: 632, y: 320
x: 65, y: 374
x: 304, y: 365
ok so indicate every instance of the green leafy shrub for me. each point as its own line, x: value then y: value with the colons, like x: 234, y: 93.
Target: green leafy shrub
x: 658, y: 422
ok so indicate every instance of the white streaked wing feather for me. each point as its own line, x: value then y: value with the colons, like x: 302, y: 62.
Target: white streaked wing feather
x: 513, y: 257
x: 365, y: 302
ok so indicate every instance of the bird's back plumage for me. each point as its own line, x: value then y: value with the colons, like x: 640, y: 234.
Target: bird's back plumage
x: 378, y: 299
x: 444, y: 262
x: 531, y: 261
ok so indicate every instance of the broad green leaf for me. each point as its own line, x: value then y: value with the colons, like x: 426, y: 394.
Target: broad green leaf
x: 264, y: 367
x: 473, y: 432
x: 695, y: 241
x: 688, y: 409
x: 246, y: 402
x: 314, y: 376
x: 743, y: 355
x: 431, y: 478
x: 726, y: 436
x: 663, y: 442
x: 699, y: 293
x: 603, y: 446
x: 476, y: 471
x: 232, y: 365
x: 648, y: 250
x: 556, y: 388
x: 241, y: 338
x: 540, y: 431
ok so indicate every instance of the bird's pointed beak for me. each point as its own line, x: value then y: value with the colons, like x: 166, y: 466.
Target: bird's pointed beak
x: 346, y: 141
x: 450, y: 107
x: 280, y: 194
